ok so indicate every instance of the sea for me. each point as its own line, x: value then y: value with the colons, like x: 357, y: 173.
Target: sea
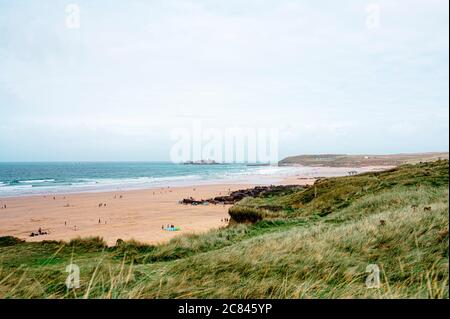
x: 22, y: 179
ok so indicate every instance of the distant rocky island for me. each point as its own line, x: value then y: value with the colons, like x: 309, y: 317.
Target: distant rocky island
x: 201, y: 162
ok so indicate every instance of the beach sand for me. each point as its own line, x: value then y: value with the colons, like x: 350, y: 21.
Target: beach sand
x: 133, y: 214
x: 139, y: 214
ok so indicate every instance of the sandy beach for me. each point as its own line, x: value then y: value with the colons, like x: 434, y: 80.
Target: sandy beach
x: 132, y: 214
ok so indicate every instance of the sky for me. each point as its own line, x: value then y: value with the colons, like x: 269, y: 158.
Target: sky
x: 112, y: 81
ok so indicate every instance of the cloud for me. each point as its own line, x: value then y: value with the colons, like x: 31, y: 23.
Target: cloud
x: 284, y: 63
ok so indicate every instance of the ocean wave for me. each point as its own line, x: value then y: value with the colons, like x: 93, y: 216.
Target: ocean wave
x: 34, y: 181
x: 170, y: 175
x: 135, y: 180
x: 15, y: 182
x: 270, y: 170
x: 17, y: 186
x: 52, y: 184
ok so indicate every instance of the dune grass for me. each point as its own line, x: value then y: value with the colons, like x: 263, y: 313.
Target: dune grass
x: 317, y: 245
x: 333, y: 194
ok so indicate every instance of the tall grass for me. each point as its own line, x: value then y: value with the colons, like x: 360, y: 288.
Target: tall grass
x: 295, y: 252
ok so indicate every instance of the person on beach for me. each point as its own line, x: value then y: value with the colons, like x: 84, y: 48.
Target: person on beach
x: 99, y: 221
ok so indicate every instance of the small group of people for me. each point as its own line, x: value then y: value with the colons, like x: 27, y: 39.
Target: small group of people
x: 3, y: 207
x: 226, y: 220
x: 102, y: 205
x: 168, y: 226
x: 120, y: 196
x: 39, y: 232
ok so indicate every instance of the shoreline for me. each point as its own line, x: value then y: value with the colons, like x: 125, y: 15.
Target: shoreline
x: 129, y: 214
x: 250, y: 179
x: 126, y: 189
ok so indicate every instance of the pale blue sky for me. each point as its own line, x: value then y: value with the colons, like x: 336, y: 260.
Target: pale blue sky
x: 114, y: 88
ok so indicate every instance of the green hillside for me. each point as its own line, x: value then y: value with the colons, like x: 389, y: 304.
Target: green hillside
x: 344, y: 160
x: 313, y: 243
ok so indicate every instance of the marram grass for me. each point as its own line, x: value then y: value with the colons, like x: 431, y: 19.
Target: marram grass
x: 317, y: 246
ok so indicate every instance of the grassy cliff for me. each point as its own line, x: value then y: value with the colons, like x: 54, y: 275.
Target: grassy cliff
x: 313, y: 243
x: 344, y: 160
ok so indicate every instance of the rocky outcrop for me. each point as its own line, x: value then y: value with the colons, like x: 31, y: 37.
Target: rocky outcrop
x: 234, y: 197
